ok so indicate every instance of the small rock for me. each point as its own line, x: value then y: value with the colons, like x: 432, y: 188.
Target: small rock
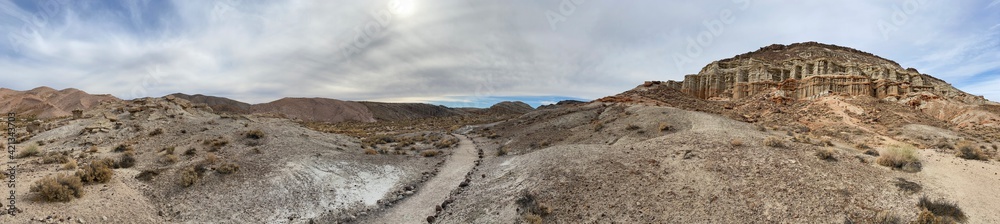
x: 104, y: 218
x: 430, y: 219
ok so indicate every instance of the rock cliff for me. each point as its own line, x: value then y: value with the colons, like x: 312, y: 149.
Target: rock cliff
x: 810, y: 70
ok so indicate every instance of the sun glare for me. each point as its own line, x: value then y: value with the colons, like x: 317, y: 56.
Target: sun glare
x: 403, y: 7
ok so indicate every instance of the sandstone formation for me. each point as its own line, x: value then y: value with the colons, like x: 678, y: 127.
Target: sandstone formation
x: 810, y: 70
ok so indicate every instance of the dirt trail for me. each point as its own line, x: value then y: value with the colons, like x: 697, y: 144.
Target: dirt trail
x: 418, y: 207
x: 973, y: 184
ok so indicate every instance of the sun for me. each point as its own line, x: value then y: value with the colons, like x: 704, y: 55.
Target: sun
x: 402, y: 7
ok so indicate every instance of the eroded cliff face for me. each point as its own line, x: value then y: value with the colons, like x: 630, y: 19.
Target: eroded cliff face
x: 810, y: 70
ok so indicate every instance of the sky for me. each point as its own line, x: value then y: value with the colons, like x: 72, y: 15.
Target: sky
x: 461, y: 53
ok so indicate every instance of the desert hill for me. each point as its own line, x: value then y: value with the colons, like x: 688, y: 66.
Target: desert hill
x: 332, y: 110
x: 44, y: 102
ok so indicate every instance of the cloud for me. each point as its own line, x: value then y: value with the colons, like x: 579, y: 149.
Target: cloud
x: 456, y: 51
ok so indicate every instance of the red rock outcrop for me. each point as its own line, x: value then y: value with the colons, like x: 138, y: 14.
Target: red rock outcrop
x: 816, y: 70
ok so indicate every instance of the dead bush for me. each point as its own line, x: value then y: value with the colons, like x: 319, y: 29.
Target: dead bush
x: 256, y: 134
x: 211, y: 158
x: 736, y: 142
x: 190, y: 152
x: 127, y: 160
x: 70, y: 165
x: 430, y: 153
x: 825, y: 154
x: 904, y: 158
x: 632, y: 127
x: 227, y: 168
x: 871, y: 152
x: 371, y: 151
x: 775, y: 142
x: 98, y: 171
x: 54, y: 157
x: 943, y: 209
x: 156, y: 132
x: 664, y: 126
x: 169, y: 159
x: 189, y: 176
x: 124, y: 148
x: 60, y: 188
x: 967, y: 151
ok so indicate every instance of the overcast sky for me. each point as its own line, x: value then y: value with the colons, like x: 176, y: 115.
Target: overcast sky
x: 461, y: 52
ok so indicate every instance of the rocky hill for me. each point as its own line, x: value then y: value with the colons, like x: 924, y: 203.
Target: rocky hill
x: 44, y: 102
x: 810, y: 70
x: 218, y: 104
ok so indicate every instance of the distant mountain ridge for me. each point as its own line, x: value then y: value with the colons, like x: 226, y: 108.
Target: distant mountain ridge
x: 44, y: 102
x: 333, y: 110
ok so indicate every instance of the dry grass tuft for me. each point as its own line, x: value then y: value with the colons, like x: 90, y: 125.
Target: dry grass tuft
x: 776, y: 142
x: 30, y: 150
x: 211, y: 158
x: 532, y: 218
x: 70, y: 165
x: 98, y: 171
x: 371, y: 151
x: 189, y: 176
x: 966, y: 150
x: 825, y: 154
x: 256, y: 134
x: 430, y: 153
x: 54, y: 157
x: 736, y: 142
x: 904, y: 158
x: 886, y: 217
x: 127, y: 160
x: 92, y: 149
x: 227, y: 168
x: 156, y: 132
x: 942, y: 209
x: 61, y: 188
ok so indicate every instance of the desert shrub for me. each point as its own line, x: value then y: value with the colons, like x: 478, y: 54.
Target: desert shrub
x: 776, y: 142
x: 943, y: 144
x: 736, y: 142
x: 98, y: 171
x: 967, y: 151
x: 502, y: 151
x: 862, y: 146
x: 127, y: 160
x: 61, y: 188
x: 168, y: 150
x: 124, y: 148
x: 430, y: 153
x: 189, y: 176
x: 30, y: 150
x: 886, y: 217
x: 216, y: 144
x: 942, y: 208
x: 907, y: 186
x: 632, y: 127
x: 825, y: 141
x: 169, y: 159
x: 211, y: 158
x: 70, y: 165
x: 900, y: 158
x: 532, y: 218
x: 92, y: 149
x: 871, y: 152
x: 254, y: 134
x: 156, y: 132
x: 664, y: 126
x: 598, y: 126
x: 371, y: 151
x: 147, y: 175
x: 227, y: 168
x: 190, y: 152
x: 54, y: 157
x: 825, y: 154
x: 446, y: 143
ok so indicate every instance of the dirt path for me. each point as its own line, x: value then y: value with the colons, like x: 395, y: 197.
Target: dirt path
x: 973, y: 184
x: 418, y: 207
